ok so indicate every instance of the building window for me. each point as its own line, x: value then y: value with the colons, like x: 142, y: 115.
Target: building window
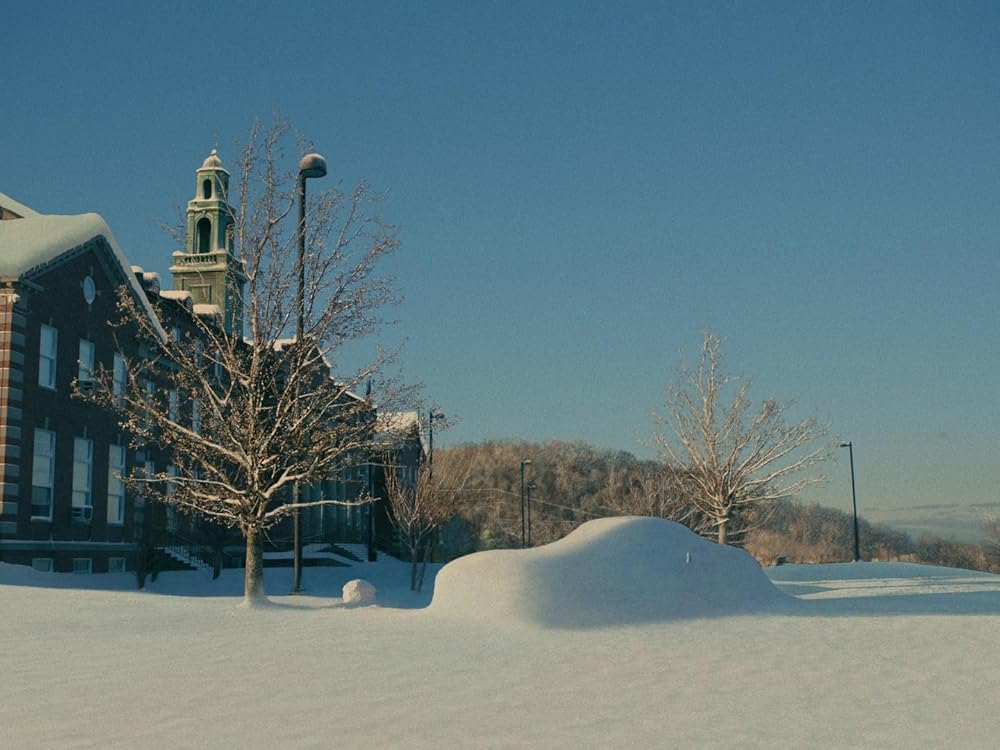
x: 43, y: 474
x: 196, y: 417
x: 83, y: 479
x: 116, y: 564
x: 83, y: 565
x: 42, y: 564
x: 116, y: 487
x: 150, y: 388
x: 204, y: 235
x: 118, y: 377
x: 85, y: 376
x: 148, y: 471
x: 48, y: 344
x: 206, y: 189
x: 173, y: 404
x: 175, y: 333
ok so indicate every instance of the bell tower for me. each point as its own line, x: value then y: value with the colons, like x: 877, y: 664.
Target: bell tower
x: 207, y: 267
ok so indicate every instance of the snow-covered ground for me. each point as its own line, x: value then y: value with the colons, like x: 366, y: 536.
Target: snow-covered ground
x: 628, y: 633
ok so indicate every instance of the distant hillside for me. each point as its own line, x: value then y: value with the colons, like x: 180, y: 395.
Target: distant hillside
x: 575, y: 482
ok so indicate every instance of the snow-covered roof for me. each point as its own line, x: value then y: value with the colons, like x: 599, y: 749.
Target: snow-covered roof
x: 392, y: 427
x: 397, y: 422
x: 18, y: 208
x: 207, y: 310
x: 181, y: 296
x: 30, y: 245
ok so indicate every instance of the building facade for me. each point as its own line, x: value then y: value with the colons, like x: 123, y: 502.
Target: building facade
x: 63, y: 506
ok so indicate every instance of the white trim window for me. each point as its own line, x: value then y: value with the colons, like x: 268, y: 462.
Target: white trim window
x: 116, y: 487
x: 83, y: 565
x: 85, y: 373
x: 173, y: 404
x: 48, y: 346
x: 42, y: 564
x: 43, y: 472
x: 150, y: 389
x: 148, y: 471
x: 118, y: 377
x: 83, y: 478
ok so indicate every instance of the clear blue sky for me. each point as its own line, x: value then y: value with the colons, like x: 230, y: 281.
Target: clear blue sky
x: 582, y: 188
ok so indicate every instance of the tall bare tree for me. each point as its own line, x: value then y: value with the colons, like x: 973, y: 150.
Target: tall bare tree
x: 419, y: 506
x: 728, y: 459
x: 244, y: 414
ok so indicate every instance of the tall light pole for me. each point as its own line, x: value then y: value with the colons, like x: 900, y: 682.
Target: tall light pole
x: 854, y: 499
x: 524, y: 462
x: 531, y: 486
x: 311, y: 165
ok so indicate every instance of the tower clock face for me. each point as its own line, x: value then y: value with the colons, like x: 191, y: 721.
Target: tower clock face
x: 89, y: 289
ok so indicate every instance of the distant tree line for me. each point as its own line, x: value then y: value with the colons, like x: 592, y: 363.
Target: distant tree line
x: 575, y: 482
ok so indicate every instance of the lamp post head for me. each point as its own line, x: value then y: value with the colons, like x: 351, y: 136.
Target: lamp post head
x: 846, y: 445
x: 525, y: 462
x: 312, y: 165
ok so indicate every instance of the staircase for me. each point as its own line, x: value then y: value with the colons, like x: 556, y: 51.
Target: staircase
x: 183, y: 555
x: 187, y: 553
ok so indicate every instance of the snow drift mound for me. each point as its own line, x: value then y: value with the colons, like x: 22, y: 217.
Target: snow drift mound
x: 611, y: 571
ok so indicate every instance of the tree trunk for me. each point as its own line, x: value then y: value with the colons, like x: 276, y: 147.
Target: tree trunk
x: 414, y: 543
x: 723, y: 525
x: 253, y: 580
x: 423, y: 566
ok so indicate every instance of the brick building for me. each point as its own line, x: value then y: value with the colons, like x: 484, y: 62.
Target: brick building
x: 62, y: 506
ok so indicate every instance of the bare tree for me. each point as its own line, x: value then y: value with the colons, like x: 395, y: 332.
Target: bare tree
x: 246, y: 411
x: 990, y: 526
x: 728, y: 460
x: 419, y: 505
x: 655, y: 492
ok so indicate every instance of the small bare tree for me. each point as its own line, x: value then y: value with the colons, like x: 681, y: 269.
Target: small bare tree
x: 990, y: 526
x: 418, y: 506
x: 244, y: 414
x: 728, y: 461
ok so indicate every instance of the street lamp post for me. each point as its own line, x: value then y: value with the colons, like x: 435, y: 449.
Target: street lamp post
x: 854, y: 500
x: 531, y: 486
x: 311, y: 165
x: 524, y: 462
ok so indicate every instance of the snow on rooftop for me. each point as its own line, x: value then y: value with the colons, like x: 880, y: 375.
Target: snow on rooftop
x: 28, y: 245
x: 610, y: 571
x: 397, y: 422
x: 18, y: 208
x: 178, y: 295
x: 208, y: 310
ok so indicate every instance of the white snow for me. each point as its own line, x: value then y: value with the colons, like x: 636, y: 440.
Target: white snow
x: 612, y: 571
x: 358, y: 592
x: 31, y: 243
x: 867, y: 655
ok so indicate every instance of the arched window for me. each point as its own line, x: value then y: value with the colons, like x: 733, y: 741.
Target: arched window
x: 206, y: 189
x: 204, y: 235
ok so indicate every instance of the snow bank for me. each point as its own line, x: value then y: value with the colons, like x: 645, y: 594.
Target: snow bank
x: 611, y: 571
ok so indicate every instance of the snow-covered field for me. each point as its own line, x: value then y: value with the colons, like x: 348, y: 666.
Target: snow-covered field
x: 628, y: 633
